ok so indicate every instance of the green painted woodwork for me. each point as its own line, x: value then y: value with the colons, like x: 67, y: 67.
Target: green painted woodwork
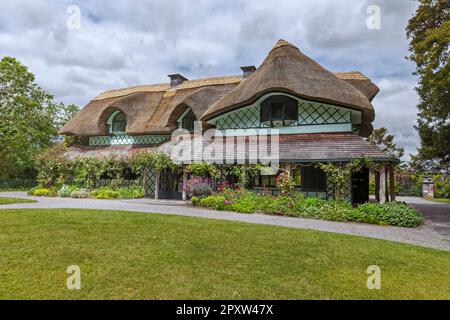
x: 123, y: 139
x: 313, y: 117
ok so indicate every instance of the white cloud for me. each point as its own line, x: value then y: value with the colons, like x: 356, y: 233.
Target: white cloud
x: 123, y: 43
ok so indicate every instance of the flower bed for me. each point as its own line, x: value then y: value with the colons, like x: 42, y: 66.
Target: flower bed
x: 296, y: 205
x: 66, y: 191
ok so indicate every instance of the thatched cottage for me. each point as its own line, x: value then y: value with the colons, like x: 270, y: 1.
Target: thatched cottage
x: 319, y: 116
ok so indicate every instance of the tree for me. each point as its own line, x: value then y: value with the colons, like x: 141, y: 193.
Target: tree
x: 385, y: 142
x: 429, y: 33
x: 29, y: 120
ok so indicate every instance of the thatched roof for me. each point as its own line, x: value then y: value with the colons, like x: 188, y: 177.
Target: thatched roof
x: 149, y: 109
x: 155, y: 108
x: 288, y: 70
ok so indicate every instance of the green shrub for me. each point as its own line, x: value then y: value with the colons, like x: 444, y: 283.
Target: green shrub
x: 105, y: 193
x: 32, y: 190
x: 195, y: 201
x: 282, y: 205
x: 80, y: 194
x: 390, y: 213
x: 214, y: 202
x: 43, y: 192
x: 131, y: 192
x: 65, y: 191
x: 243, y: 205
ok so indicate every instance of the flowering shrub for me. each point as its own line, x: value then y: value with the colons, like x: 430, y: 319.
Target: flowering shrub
x: 43, y: 192
x: 198, y: 187
x: 285, y: 183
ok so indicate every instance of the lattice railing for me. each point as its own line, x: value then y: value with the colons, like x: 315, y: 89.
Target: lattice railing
x: 310, y: 113
x: 124, y: 139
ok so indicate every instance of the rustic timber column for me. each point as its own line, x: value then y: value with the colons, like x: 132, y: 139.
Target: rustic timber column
x: 387, y: 187
x: 377, y: 185
x: 383, y: 184
x: 183, y: 191
x: 392, y: 181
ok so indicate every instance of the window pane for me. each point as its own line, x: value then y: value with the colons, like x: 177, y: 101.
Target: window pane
x: 290, y: 112
x: 188, y: 121
x: 277, y: 111
x: 313, y: 179
x: 119, y: 123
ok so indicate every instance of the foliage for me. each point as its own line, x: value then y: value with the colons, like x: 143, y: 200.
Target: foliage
x: 43, y: 192
x: 216, y: 202
x: 29, y: 120
x: 105, y: 193
x: 198, y: 187
x: 243, y: 173
x: 17, y: 184
x: 296, y: 205
x: 428, y: 31
x: 390, y: 213
x: 53, y: 167
x: 65, y: 191
x: 195, y: 201
x: 80, y: 193
x: 285, y: 183
x: 202, y: 169
x: 385, y: 142
x: 339, y: 173
x: 131, y: 192
x: 441, y: 186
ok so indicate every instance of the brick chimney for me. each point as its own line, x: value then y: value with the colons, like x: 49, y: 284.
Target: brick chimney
x: 176, y: 79
x: 247, y: 71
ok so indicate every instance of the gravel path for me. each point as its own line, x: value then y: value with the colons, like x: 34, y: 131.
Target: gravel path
x: 435, y: 233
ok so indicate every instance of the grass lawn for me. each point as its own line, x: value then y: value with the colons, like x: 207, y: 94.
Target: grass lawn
x: 438, y: 200
x: 124, y: 255
x: 4, y: 200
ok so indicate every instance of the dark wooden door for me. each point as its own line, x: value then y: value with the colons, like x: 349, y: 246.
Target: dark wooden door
x: 169, y: 185
x: 360, y: 186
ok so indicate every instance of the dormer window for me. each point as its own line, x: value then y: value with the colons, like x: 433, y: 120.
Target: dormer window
x: 279, y: 111
x: 188, y: 121
x: 117, y: 123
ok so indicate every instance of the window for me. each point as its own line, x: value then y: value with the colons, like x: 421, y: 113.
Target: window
x: 279, y: 111
x: 188, y: 121
x: 312, y: 179
x: 117, y: 122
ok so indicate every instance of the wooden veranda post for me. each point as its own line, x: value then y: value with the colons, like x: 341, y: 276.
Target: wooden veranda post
x: 183, y: 191
x: 383, y: 184
x: 157, y: 178
x: 392, y: 181
x: 386, y: 183
x: 377, y: 185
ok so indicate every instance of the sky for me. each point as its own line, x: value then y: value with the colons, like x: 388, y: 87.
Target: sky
x: 78, y: 49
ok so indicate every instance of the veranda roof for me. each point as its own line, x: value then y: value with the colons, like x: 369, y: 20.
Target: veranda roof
x: 317, y: 147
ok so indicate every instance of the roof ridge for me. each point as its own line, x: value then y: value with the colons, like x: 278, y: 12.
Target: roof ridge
x: 163, y: 87
x: 283, y: 43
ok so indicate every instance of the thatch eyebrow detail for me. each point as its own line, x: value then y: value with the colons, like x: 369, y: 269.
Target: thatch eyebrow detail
x: 153, y: 108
